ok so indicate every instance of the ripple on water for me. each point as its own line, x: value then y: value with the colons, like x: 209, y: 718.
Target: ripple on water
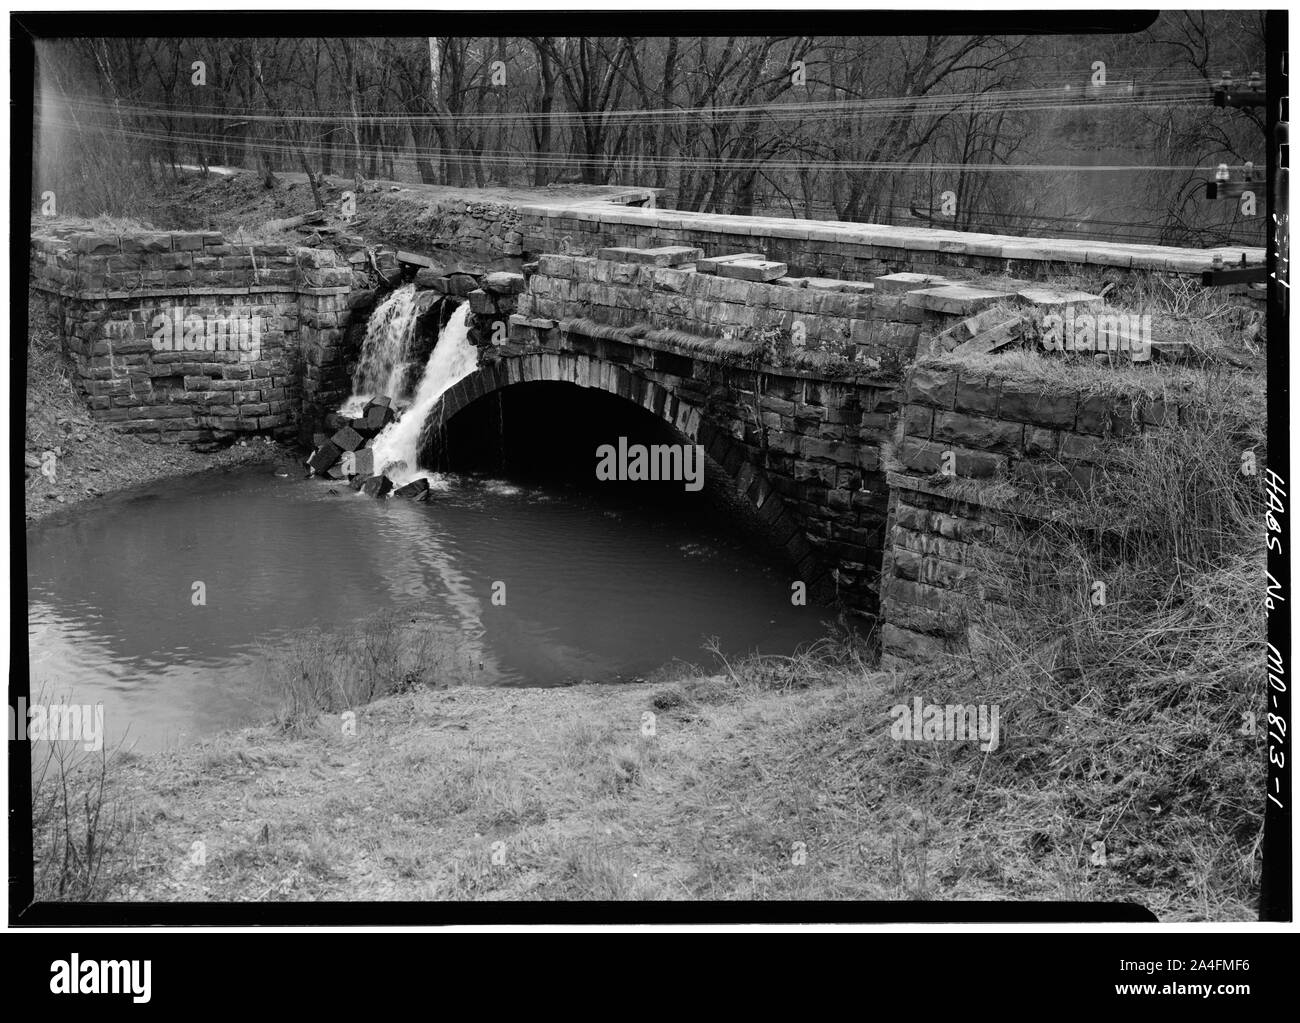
x: 588, y: 595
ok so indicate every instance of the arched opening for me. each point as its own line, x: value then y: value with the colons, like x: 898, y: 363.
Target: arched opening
x: 559, y: 434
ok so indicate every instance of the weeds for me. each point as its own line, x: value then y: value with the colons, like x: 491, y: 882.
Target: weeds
x: 318, y: 673
x: 83, y: 835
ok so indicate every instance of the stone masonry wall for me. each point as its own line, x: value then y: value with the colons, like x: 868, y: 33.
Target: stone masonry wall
x: 1011, y: 443
x: 871, y: 330
x: 498, y: 223
x: 856, y: 252
x: 184, y: 336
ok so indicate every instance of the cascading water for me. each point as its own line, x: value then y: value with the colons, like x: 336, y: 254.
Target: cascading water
x: 386, y: 350
x: 454, y: 358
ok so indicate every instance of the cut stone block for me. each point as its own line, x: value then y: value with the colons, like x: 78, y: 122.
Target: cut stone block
x: 377, y: 417
x: 993, y: 339
x: 669, y: 255
x: 377, y: 486
x: 363, y: 462
x: 412, y: 489
x: 710, y: 266
x: 456, y: 284
x: 429, y: 276
x: 348, y: 439
x: 357, y: 482
x: 1051, y: 299
x: 424, y: 496
x: 908, y: 281
x: 954, y: 299
x: 414, y: 259
x: 324, y: 457
x: 757, y: 270
x: 833, y: 284
x: 502, y: 283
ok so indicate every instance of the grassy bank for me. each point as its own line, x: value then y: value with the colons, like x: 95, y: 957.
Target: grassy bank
x: 776, y: 779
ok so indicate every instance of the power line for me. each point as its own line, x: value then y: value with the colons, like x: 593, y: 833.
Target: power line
x: 1189, y: 92
x: 567, y: 159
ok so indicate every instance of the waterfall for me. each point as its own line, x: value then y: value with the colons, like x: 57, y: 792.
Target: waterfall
x: 397, y: 447
x: 386, y: 350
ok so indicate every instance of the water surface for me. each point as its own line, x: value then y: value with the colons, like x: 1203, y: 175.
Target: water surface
x: 595, y: 591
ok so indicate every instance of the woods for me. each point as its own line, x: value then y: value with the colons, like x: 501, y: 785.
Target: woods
x: 1006, y: 134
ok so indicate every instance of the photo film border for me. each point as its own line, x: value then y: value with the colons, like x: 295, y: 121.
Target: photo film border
x: 1276, y: 899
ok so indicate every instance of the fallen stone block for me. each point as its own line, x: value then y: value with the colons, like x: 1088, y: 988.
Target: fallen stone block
x: 428, y: 276
x: 336, y: 472
x: 710, y: 266
x: 757, y: 270
x: 357, y: 482
x: 413, y: 489
x: 502, y: 283
x: 324, y: 457
x: 980, y: 322
x: 424, y: 496
x: 908, y: 281
x: 376, y: 417
x: 457, y: 284
x: 377, y: 486
x: 954, y: 299
x: 1051, y: 300
x: 995, y: 338
x: 348, y: 439
x: 362, y: 462
x: 834, y: 284
x: 415, y: 259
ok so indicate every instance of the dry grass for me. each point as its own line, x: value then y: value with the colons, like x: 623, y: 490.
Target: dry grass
x: 319, y: 673
x: 1133, y: 699
x: 83, y: 829
x: 1138, y: 382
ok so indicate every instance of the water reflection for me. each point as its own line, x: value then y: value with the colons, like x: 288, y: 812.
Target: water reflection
x: 591, y: 592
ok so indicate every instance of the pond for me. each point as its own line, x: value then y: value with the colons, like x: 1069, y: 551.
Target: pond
x: 596, y: 588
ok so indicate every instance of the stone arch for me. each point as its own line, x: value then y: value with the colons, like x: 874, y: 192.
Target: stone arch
x: 749, y: 480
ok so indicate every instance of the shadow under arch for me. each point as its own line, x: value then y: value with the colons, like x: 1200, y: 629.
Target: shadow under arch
x: 747, y: 480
